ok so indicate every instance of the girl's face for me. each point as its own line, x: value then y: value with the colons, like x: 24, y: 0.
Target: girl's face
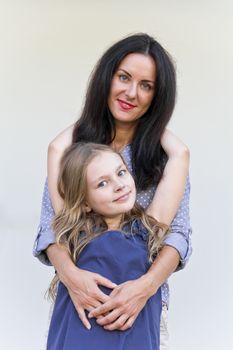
x: 132, y: 88
x: 110, y: 187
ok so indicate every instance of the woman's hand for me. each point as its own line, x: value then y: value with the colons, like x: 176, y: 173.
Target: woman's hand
x: 82, y: 285
x: 125, y: 303
x: 173, y: 146
x: 85, y: 293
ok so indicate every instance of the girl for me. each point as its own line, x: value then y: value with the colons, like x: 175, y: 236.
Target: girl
x: 107, y: 233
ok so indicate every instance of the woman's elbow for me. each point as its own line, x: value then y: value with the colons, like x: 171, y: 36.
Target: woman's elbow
x: 184, y: 152
x: 56, y: 147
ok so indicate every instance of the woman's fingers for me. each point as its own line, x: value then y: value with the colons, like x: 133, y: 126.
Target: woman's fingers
x: 83, y: 318
x: 98, y: 294
x: 105, y: 282
x: 118, y: 324
x: 128, y: 324
x: 94, y: 302
x: 103, y: 309
x: 109, y: 318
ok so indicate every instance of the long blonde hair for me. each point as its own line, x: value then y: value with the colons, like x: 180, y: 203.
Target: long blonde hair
x: 74, y: 226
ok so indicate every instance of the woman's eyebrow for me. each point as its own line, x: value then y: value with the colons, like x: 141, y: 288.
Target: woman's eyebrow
x: 125, y: 72
x: 145, y: 80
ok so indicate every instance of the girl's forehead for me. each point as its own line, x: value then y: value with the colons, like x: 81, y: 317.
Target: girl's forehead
x: 103, y: 164
x: 106, y: 155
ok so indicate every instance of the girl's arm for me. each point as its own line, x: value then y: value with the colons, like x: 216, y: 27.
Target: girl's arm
x: 171, y: 187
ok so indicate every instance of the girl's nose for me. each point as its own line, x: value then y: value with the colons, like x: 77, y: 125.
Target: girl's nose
x: 118, y: 186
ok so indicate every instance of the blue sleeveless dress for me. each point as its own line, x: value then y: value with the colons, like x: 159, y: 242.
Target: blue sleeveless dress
x: 120, y: 257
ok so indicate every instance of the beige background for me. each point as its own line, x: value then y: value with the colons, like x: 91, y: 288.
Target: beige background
x: 48, y: 48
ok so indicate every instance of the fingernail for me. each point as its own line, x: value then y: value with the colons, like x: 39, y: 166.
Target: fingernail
x: 89, y: 327
x: 89, y: 315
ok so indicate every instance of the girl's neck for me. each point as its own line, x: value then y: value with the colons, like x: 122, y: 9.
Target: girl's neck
x: 113, y: 223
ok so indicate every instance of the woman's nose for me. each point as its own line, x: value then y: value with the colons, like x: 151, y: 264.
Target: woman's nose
x: 131, y: 90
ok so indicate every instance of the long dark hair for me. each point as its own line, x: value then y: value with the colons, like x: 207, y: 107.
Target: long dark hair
x: 96, y: 123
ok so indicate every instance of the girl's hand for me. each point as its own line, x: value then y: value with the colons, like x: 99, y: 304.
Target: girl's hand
x: 125, y: 303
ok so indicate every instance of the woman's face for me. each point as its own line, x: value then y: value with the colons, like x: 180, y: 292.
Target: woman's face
x: 132, y: 88
x: 110, y: 187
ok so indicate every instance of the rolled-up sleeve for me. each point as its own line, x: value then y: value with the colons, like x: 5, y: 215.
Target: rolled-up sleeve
x: 179, y: 236
x: 45, y: 235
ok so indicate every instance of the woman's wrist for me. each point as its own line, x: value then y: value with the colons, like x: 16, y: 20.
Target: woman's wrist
x: 149, y: 285
x: 62, y: 262
x: 68, y: 271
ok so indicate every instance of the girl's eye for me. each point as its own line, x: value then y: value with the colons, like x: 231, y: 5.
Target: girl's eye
x: 122, y: 172
x: 102, y: 184
x: 123, y: 77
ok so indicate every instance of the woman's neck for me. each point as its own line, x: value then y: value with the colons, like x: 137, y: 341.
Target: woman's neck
x: 124, y: 135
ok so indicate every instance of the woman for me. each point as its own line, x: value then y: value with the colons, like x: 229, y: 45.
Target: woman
x: 129, y: 102
x: 106, y: 232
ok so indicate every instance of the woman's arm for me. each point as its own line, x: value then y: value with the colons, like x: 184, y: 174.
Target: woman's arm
x: 55, y: 152
x: 171, y: 187
x: 128, y: 299
x: 82, y: 285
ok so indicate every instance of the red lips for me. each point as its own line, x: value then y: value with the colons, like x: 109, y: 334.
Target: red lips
x: 125, y: 105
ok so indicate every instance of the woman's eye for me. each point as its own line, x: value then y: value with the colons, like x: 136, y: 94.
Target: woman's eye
x: 102, y: 184
x: 122, y: 172
x: 123, y: 77
x: 146, y: 86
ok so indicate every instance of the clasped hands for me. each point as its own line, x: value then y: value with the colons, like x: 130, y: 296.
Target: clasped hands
x: 118, y: 310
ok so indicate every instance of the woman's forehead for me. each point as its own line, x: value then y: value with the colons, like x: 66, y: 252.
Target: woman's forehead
x: 136, y: 63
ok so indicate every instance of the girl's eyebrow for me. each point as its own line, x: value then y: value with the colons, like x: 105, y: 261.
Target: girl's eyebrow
x: 145, y: 80
x: 106, y: 175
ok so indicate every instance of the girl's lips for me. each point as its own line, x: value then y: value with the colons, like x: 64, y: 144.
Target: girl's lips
x: 125, y: 105
x: 123, y: 198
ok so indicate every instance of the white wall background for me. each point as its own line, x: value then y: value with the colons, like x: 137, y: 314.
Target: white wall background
x: 48, y: 48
